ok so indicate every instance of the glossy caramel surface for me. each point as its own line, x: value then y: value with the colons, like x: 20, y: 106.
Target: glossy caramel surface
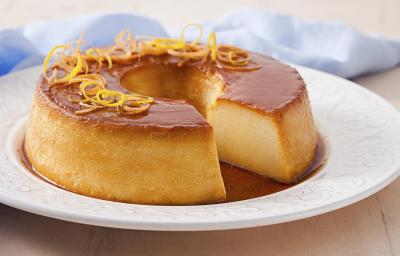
x: 268, y: 89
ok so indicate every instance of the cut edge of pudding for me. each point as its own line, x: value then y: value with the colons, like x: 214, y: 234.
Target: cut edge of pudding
x: 276, y: 145
x: 279, y: 144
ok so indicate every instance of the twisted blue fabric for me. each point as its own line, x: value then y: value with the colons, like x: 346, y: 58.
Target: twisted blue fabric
x: 329, y: 46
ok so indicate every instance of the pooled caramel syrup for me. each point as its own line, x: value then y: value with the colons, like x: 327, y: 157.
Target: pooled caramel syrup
x: 240, y: 184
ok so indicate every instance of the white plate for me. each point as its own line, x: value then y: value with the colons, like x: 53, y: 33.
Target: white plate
x: 363, y: 136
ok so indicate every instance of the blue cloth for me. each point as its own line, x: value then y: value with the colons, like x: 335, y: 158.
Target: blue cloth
x: 329, y: 46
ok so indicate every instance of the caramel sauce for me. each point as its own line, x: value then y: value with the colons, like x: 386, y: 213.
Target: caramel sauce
x: 240, y: 184
x: 271, y: 88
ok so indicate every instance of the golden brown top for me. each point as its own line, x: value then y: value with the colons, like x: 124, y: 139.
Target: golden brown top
x: 270, y: 88
x: 71, y: 65
x: 87, y: 86
x: 164, y: 114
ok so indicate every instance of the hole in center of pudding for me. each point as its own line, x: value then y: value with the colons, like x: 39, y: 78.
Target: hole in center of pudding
x: 174, y: 82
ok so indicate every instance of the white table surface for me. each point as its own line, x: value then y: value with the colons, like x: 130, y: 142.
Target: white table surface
x: 370, y: 227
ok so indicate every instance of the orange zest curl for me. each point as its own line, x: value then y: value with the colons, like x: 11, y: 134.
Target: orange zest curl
x: 71, y: 66
x: 88, y: 108
x: 198, y: 38
x: 212, y: 44
x: 98, y: 55
x: 234, y: 58
x: 95, y: 93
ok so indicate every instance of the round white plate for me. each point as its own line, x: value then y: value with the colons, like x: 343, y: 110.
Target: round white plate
x: 363, y: 138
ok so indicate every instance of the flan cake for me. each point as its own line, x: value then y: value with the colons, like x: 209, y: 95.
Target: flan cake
x: 254, y: 114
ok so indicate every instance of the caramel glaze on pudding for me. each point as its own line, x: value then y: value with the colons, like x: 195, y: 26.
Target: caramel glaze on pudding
x: 259, y: 120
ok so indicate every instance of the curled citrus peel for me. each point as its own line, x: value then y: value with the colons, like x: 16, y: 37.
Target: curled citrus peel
x: 84, y: 68
x: 97, y: 78
x: 87, y: 108
x: 73, y: 71
x: 198, y: 38
x: 95, y: 95
x: 212, y: 45
x: 234, y: 58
